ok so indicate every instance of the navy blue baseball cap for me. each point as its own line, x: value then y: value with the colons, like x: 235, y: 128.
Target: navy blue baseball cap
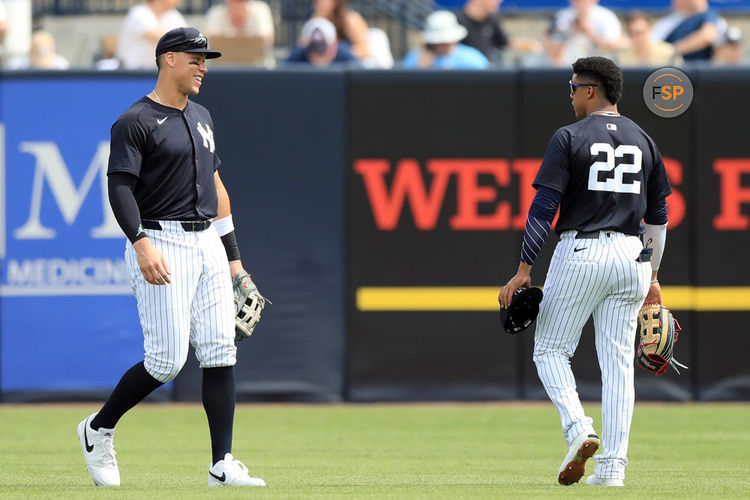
x: 522, y: 311
x: 185, y: 40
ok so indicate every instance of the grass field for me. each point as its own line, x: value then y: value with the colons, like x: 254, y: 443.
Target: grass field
x: 376, y: 451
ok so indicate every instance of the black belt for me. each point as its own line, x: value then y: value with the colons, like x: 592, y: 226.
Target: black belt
x: 585, y: 235
x: 191, y: 225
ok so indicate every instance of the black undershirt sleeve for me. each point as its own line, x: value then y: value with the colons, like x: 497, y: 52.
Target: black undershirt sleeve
x: 121, y: 186
x: 656, y: 213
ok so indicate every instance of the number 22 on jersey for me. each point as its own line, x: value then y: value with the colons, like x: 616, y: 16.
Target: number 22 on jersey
x: 615, y: 183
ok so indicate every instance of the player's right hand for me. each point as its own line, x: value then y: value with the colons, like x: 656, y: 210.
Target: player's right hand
x: 521, y: 279
x: 151, y: 262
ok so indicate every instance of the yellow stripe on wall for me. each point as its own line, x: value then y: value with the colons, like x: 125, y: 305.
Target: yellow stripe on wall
x: 407, y: 298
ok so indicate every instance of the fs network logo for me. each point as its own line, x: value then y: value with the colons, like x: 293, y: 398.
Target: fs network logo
x: 44, y: 247
x: 668, y: 92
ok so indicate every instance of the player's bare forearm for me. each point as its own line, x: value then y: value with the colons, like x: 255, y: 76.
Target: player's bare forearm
x: 235, y: 266
x: 358, y: 34
x: 524, y: 269
x: 153, y: 35
x: 606, y: 44
x: 524, y: 44
x: 521, y: 279
x: 697, y: 40
x: 224, y: 208
x: 654, y: 294
x: 654, y: 290
x: 152, y: 263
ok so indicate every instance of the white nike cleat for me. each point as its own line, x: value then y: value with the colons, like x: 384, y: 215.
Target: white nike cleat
x: 231, y: 472
x: 581, y: 449
x: 599, y: 481
x: 99, y: 453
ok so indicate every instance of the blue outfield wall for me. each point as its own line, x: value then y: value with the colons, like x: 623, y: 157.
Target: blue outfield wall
x: 69, y: 326
x: 66, y: 308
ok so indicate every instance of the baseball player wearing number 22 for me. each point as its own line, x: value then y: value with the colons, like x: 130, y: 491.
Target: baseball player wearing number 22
x: 606, y: 175
x: 167, y: 196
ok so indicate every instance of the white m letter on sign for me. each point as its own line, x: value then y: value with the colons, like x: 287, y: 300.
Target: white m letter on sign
x: 69, y: 198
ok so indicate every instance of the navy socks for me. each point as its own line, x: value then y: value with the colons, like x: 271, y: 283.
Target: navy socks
x: 218, y: 401
x: 132, y: 388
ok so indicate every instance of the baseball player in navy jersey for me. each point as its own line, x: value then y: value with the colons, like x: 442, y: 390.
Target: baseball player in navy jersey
x: 167, y: 196
x: 606, y: 175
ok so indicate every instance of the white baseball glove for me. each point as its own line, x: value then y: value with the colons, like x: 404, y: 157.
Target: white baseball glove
x: 248, y: 304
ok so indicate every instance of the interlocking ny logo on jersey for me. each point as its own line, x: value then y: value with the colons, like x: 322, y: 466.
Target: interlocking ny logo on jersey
x: 208, y: 136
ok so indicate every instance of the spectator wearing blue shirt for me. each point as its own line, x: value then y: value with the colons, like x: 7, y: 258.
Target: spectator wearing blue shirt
x: 319, y: 45
x: 693, y: 29
x: 442, y: 50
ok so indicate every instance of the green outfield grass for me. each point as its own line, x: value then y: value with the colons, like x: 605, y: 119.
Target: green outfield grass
x: 376, y: 451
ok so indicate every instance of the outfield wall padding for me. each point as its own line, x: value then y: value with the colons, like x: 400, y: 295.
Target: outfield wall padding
x: 348, y: 180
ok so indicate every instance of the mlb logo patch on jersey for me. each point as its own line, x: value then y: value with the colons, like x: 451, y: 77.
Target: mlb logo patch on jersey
x: 611, y: 126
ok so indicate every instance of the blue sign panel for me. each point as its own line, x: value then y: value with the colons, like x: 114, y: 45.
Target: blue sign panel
x: 68, y: 318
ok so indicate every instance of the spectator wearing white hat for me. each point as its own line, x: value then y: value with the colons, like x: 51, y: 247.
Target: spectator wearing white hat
x: 442, y: 51
x: 319, y: 45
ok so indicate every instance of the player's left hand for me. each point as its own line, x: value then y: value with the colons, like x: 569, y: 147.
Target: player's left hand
x: 521, y: 279
x: 248, y: 304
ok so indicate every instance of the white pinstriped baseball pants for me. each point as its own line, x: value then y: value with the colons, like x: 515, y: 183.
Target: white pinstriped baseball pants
x: 197, y: 307
x: 601, y: 278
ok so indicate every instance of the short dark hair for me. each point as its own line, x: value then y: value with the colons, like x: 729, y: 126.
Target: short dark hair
x: 159, y: 59
x: 603, y: 71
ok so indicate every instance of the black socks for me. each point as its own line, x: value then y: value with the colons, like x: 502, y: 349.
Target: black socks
x: 218, y: 401
x: 132, y: 388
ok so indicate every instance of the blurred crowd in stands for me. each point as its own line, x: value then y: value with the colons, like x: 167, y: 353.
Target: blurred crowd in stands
x: 470, y: 38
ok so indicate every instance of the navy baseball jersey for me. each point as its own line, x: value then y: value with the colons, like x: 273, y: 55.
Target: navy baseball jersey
x: 608, y: 170
x: 172, y: 153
